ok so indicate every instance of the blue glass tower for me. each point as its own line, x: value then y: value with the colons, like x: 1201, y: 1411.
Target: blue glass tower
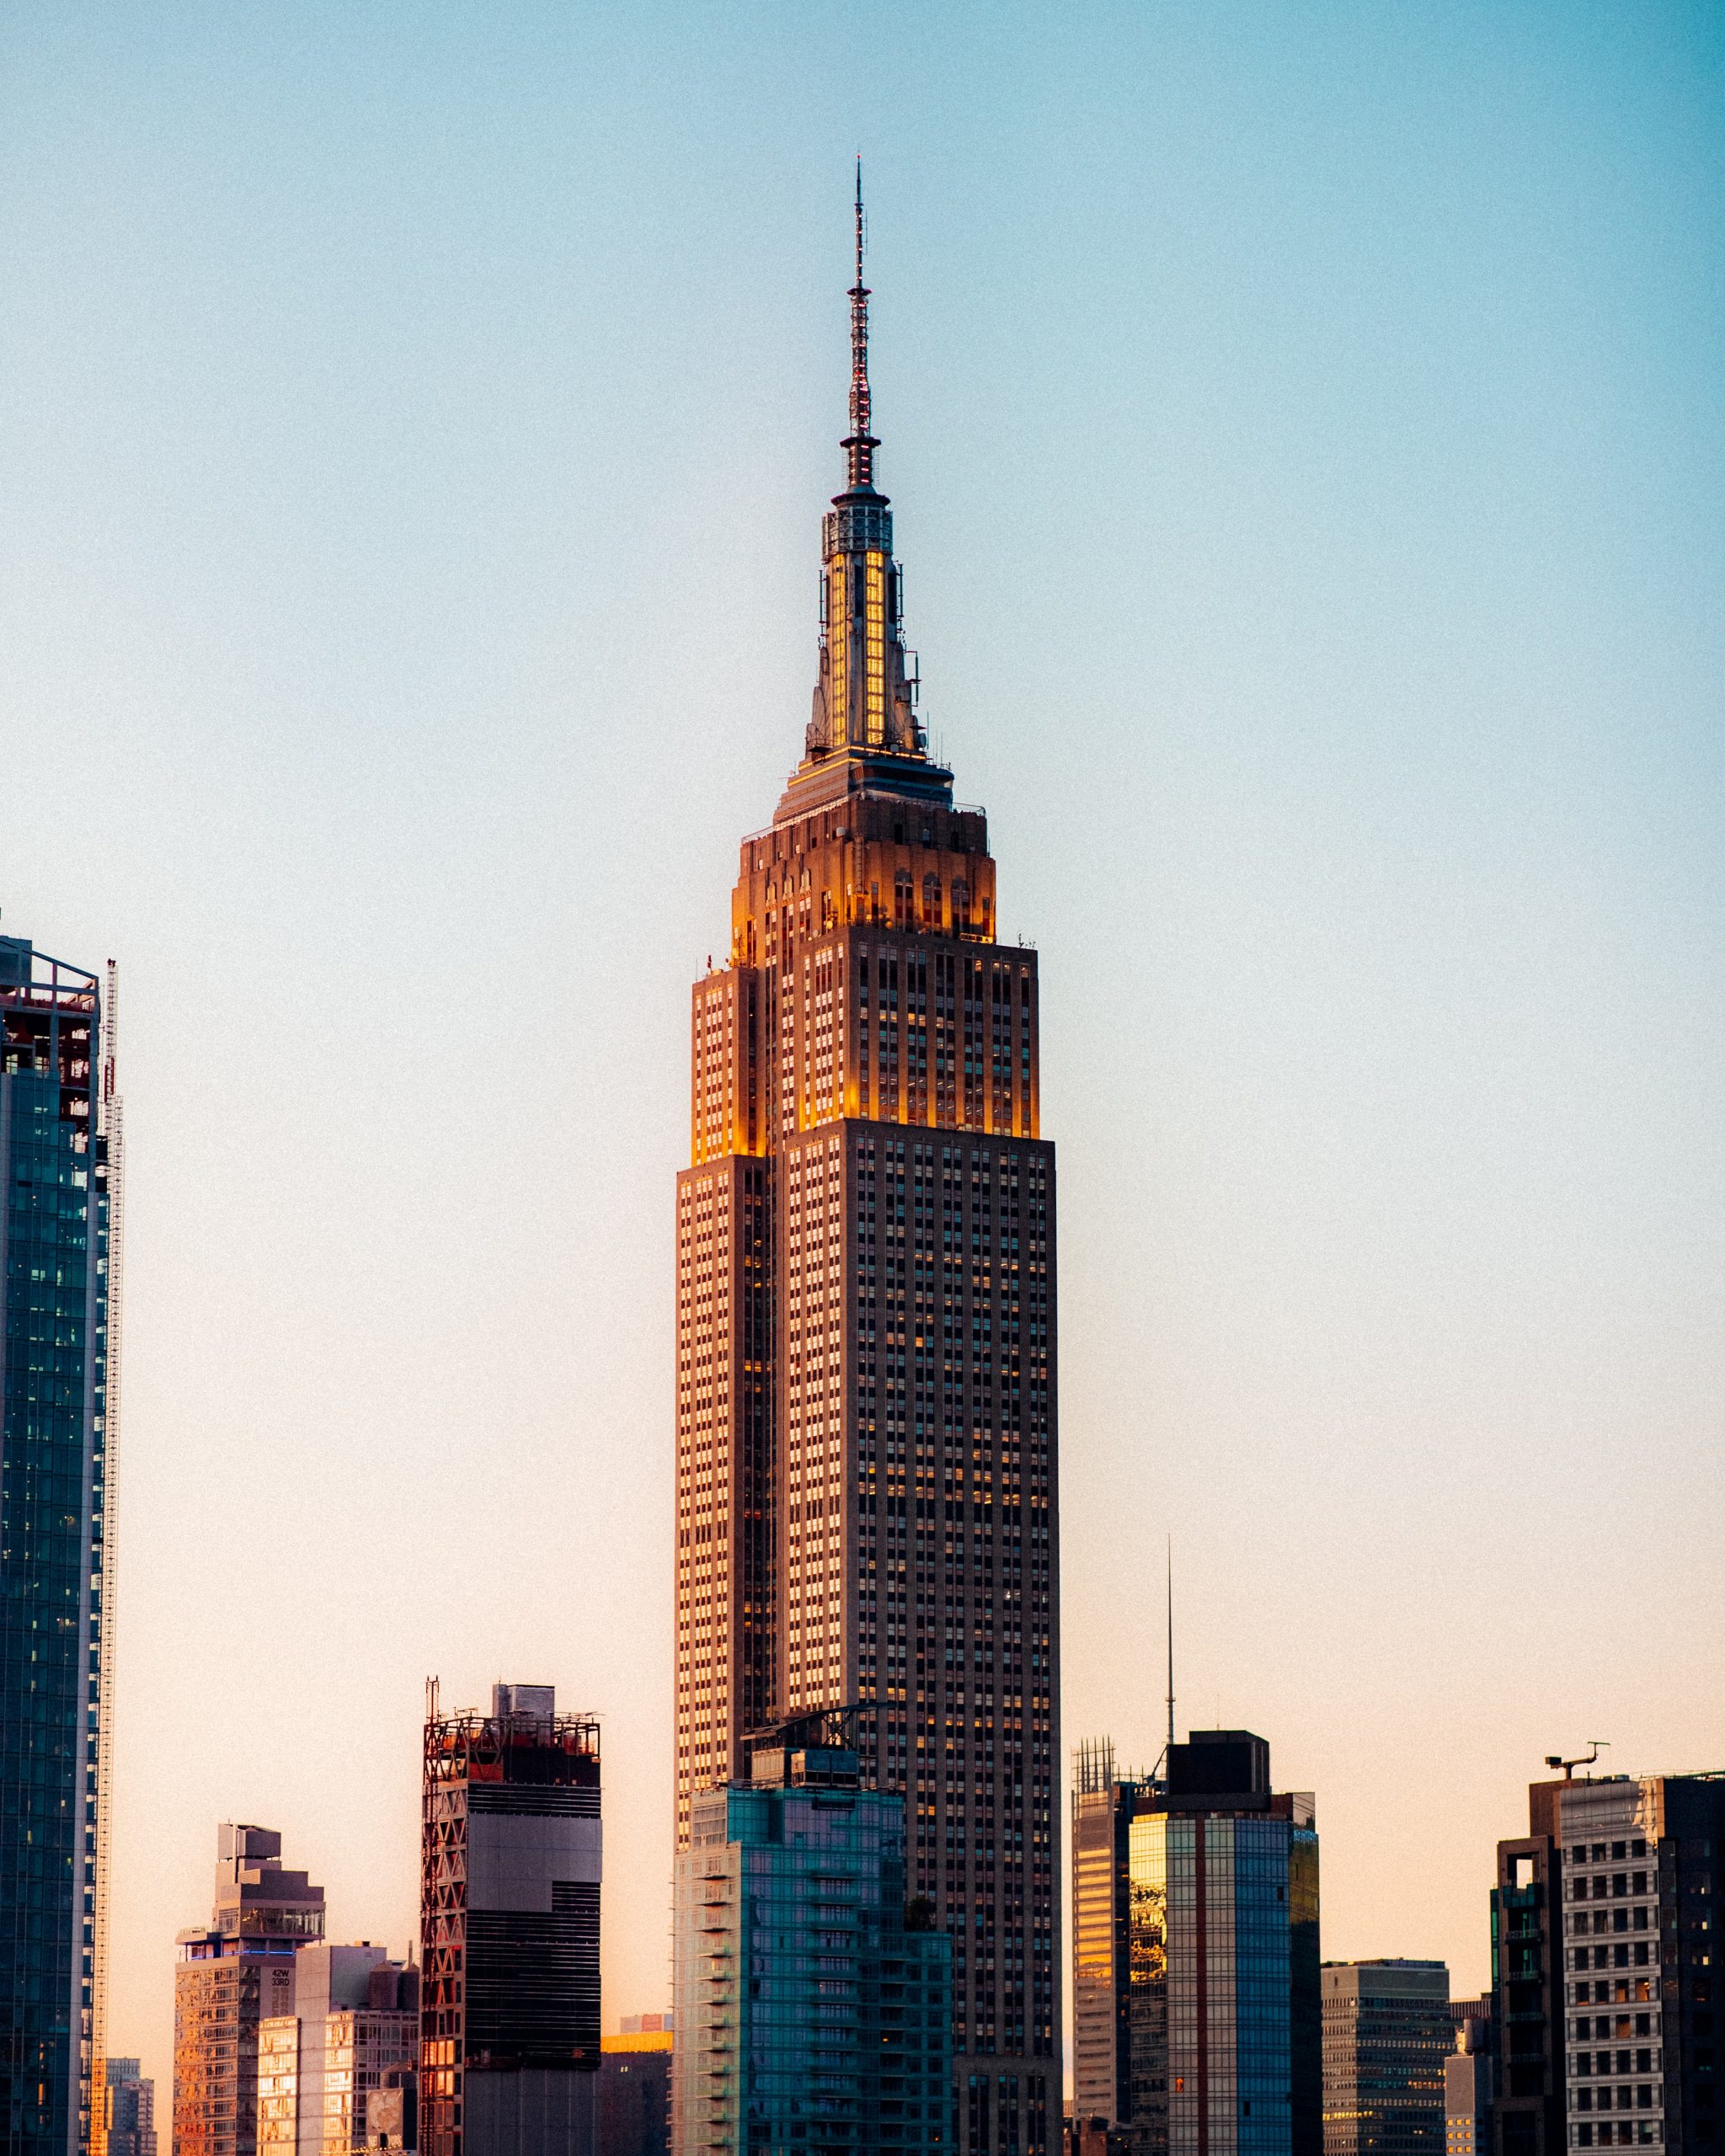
x: 59, y: 1148
x: 1222, y: 2030
x: 813, y: 2008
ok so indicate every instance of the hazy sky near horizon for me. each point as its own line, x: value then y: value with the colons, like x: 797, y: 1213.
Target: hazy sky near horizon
x: 1305, y: 427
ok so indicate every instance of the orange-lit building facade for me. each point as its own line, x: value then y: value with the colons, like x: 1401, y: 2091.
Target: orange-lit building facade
x: 866, y: 1336
x: 232, y: 1975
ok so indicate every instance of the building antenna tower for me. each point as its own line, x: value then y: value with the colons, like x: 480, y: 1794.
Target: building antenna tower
x: 860, y: 444
x: 1171, y: 1654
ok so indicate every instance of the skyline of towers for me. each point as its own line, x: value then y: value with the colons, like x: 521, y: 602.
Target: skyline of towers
x: 866, y: 1321
x: 837, y: 1054
x: 60, y: 1159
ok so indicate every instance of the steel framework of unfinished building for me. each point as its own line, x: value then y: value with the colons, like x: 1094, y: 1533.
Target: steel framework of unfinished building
x: 496, y: 2003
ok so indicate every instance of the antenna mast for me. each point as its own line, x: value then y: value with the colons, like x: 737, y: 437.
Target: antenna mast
x: 859, y: 444
x: 1170, y: 1651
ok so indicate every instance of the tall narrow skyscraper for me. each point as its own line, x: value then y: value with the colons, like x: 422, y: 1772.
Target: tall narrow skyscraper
x: 59, y: 1244
x: 866, y: 1331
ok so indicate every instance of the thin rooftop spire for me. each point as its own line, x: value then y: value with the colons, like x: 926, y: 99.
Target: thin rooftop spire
x: 1170, y: 1656
x: 860, y: 444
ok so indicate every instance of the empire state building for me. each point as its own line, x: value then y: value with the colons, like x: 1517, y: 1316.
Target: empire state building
x: 867, y: 1509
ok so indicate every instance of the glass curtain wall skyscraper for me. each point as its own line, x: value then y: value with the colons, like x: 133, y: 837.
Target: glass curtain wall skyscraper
x: 866, y: 1323
x: 1217, y: 2049
x: 814, y: 2005
x: 59, y: 1244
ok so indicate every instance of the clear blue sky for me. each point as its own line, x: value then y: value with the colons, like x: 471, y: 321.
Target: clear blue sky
x: 1305, y: 425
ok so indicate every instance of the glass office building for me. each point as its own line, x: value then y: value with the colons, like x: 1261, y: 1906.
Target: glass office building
x: 1221, y: 1969
x: 813, y: 2010
x: 1388, y: 2037
x: 58, y: 1225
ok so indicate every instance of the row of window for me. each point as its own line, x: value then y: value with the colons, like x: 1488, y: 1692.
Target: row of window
x: 1606, y: 1886
x: 1643, y: 2097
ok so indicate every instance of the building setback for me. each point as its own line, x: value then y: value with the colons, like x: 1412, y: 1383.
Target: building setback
x: 60, y: 1159
x: 814, y: 2010
x: 866, y: 1325
x: 508, y: 1927
x: 1387, y: 2033
x: 233, y: 1974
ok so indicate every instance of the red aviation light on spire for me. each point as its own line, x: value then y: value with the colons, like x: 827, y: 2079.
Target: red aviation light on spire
x: 859, y: 444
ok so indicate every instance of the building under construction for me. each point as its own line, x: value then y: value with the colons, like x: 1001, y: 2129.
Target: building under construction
x: 509, y: 1926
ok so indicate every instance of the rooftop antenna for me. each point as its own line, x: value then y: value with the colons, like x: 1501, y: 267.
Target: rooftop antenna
x: 1595, y: 1745
x: 1161, y: 1765
x: 1171, y: 1649
x: 859, y: 444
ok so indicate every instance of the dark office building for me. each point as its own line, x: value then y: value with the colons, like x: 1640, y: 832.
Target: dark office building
x: 59, y: 1235
x: 634, y: 2090
x: 1527, y: 1980
x: 1211, y: 2045
x: 509, y: 1921
x: 1387, y: 2037
x: 1644, y: 1869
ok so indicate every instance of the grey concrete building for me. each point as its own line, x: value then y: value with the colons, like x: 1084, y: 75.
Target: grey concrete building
x: 1643, y: 1869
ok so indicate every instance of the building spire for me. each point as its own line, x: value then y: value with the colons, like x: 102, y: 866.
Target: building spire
x: 859, y: 444
x: 866, y: 695
x: 1167, y: 1756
